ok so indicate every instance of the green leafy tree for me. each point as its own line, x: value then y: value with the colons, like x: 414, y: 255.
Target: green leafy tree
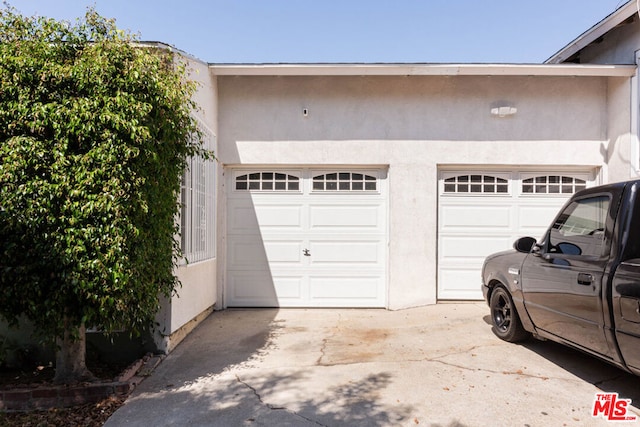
x: 95, y: 131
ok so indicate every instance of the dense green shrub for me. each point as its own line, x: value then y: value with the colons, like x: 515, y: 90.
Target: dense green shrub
x: 95, y: 130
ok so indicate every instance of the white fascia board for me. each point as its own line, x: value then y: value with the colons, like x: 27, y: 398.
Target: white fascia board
x: 593, y: 33
x: 169, y: 48
x: 422, y: 70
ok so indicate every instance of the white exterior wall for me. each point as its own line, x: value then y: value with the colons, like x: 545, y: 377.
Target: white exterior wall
x: 413, y: 125
x: 197, y: 296
x: 622, y: 151
x: 621, y: 45
x: 411, y: 107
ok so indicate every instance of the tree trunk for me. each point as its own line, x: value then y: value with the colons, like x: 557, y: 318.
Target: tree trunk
x: 70, y: 357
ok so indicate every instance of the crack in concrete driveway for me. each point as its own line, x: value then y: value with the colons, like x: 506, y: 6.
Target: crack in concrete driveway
x: 437, y: 366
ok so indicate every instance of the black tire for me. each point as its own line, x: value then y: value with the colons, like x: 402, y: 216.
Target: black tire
x: 504, y: 317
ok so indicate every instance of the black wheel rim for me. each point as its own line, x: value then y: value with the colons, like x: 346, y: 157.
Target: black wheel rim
x: 502, y: 312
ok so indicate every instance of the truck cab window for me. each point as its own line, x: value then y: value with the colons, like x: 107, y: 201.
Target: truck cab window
x: 579, y: 229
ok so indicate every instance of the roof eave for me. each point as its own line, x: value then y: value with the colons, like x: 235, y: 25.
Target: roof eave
x: 422, y: 70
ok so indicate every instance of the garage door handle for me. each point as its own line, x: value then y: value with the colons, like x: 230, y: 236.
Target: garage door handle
x: 584, y: 279
x: 306, y: 252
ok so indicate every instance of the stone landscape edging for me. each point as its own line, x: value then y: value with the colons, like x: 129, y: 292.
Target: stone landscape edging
x: 42, y: 397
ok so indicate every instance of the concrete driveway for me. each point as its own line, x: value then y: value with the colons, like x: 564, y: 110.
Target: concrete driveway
x: 431, y: 366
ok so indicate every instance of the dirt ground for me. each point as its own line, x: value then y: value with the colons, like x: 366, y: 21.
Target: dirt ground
x: 89, y: 415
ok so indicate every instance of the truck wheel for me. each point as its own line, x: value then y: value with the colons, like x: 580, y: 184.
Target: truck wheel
x: 504, y: 317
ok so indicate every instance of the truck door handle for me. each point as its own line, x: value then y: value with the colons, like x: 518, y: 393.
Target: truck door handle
x: 585, y: 279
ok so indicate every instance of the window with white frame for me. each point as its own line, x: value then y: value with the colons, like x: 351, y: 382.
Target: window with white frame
x: 552, y: 184
x: 345, y: 181
x: 197, y: 199
x: 476, y: 184
x: 267, y: 181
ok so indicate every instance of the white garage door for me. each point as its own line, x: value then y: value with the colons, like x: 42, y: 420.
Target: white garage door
x: 306, y: 238
x: 485, y: 212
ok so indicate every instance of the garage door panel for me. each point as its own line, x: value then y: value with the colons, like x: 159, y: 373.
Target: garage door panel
x: 249, y: 218
x: 278, y: 216
x: 244, y: 287
x: 252, y: 252
x: 461, y: 283
x: 480, y: 213
x: 462, y: 248
x: 534, y: 220
x: 260, y: 289
x: 247, y: 252
x: 334, y: 216
x: 353, y: 291
x: 287, y: 287
x: 318, y: 243
x: 458, y: 218
x: 241, y: 219
x: 284, y: 252
x: 345, y: 252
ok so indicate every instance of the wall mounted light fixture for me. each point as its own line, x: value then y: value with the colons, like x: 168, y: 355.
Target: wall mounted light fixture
x: 503, y: 111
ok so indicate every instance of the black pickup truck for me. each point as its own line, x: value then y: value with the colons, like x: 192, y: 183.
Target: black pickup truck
x: 580, y: 284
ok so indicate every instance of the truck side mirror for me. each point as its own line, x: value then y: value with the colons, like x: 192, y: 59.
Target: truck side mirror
x: 524, y: 244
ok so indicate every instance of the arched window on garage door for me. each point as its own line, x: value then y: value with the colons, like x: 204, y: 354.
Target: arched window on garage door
x: 345, y: 181
x: 552, y: 184
x: 267, y: 181
x: 480, y: 184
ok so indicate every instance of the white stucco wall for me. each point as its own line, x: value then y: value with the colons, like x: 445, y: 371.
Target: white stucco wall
x: 414, y: 125
x: 620, y: 46
x: 408, y: 107
x: 198, y: 293
x: 623, y: 143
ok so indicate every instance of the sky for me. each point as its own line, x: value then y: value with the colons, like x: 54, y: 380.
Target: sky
x: 347, y: 31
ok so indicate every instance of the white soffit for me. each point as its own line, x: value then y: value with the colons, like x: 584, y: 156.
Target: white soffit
x: 593, y: 33
x: 422, y: 70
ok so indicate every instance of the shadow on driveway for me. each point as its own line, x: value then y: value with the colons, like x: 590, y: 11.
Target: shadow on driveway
x: 602, y: 375
x: 215, y: 378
